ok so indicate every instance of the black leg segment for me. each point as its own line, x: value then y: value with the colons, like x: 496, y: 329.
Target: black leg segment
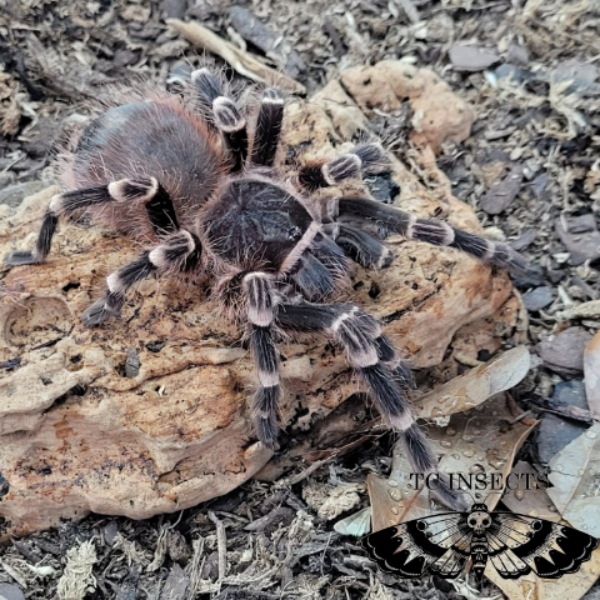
x: 268, y: 128
x: 258, y: 292
x: 181, y: 251
x: 394, y: 221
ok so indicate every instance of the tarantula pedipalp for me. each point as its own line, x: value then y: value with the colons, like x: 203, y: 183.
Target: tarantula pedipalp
x: 203, y: 188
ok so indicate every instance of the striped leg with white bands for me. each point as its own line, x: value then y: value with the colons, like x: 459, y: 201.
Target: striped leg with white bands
x: 391, y: 220
x: 370, y: 353
x: 180, y: 251
x: 260, y: 305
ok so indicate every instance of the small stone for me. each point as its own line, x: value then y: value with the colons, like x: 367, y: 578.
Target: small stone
x: 508, y: 71
x: 110, y: 532
x: 132, y: 363
x: 538, y: 298
x: 10, y: 592
x: 174, y: 9
x: 581, y: 237
x: 564, y: 353
x: 471, y: 59
x: 582, y: 77
x: 517, y: 54
x: 503, y: 192
x: 554, y: 434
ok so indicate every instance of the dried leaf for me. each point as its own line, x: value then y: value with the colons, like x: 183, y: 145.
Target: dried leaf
x: 531, y: 587
x: 576, y: 479
x: 591, y: 370
x: 244, y: 63
x: 356, y: 525
x: 535, y: 501
x: 477, y: 385
x: 484, y: 439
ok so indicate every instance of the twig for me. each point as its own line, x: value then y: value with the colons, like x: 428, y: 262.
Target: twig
x: 221, y: 545
x: 243, y: 62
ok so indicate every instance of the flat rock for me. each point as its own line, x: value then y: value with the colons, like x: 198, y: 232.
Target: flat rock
x: 538, y: 298
x: 554, y: 432
x: 10, y: 592
x: 564, y: 352
x: 471, y: 59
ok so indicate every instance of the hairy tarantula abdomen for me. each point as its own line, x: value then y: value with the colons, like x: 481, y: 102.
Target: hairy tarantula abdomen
x: 154, y: 138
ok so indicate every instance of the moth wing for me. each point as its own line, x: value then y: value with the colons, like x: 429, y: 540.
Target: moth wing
x: 519, y: 544
x: 410, y: 548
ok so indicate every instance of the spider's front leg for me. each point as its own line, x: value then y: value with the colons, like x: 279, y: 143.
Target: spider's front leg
x: 260, y: 307
x: 369, y: 351
x: 227, y: 116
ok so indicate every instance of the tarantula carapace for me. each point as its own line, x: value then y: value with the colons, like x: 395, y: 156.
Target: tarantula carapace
x: 202, y: 186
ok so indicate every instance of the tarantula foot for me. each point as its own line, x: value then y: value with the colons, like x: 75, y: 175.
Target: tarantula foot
x: 444, y: 494
x: 95, y: 314
x: 267, y: 431
x: 371, y: 155
x: 21, y: 257
x: 403, y: 376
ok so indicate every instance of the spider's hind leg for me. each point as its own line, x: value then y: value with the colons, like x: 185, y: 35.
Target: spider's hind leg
x: 157, y: 202
x: 227, y: 117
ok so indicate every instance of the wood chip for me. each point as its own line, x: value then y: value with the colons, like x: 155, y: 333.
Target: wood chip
x: 471, y: 59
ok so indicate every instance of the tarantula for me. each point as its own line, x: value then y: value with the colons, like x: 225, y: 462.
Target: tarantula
x: 203, y: 187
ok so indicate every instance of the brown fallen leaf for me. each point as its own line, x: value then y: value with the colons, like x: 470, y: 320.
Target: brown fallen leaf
x: 475, y: 386
x: 576, y: 479
x: 532, y: 587
x: 591, y: 370
x: 243, y: 62
x: 534, y: 502
x: 537, y: 502
x: 484, y: 439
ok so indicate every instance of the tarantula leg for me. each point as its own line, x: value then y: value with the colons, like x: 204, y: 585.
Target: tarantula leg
x: 226, y: 114
x: 361, y: 337
x: 179, y: 252
x: 398, y: 367
x: 321, y: 174
x: 158, y: 204
x: 313, y: 278
x: 363, y: 248
x: 268, y: 128
x: 260, y: 306
x: 392, y: 220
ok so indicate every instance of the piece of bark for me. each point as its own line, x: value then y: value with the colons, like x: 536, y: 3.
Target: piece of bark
x: 244, y: 63
x: 76, y: 435
x: 439, y: 114
x: 564, y: 353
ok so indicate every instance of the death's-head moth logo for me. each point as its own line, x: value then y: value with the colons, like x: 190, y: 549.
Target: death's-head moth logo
x: 514, y: 544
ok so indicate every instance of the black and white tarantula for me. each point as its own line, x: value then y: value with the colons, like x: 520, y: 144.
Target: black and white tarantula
x: 203, y: 187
